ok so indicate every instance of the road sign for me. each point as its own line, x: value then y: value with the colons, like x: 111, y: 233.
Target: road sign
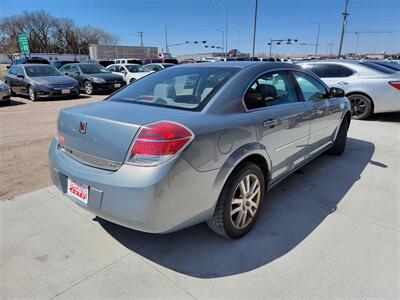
x: 23, y: 43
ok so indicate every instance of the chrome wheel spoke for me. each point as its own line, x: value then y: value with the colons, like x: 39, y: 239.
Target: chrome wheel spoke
x: 237, y: 201
x: 234, y: 211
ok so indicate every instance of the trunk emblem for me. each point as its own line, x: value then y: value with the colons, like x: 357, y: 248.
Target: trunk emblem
x: 82, y: 127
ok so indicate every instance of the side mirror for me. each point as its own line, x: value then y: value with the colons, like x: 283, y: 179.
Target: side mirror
x: 77, y: 73
x: 124, y: 72
x: 20, y: 76
x: 8, y: 67
x: 335, y: 92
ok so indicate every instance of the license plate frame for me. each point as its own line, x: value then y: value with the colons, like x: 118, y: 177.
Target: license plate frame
x: 65, y: 91
x: 78, y: 190
x: 117, y: 85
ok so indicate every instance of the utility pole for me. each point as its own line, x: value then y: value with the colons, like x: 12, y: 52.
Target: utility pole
x: 141, y: 33
x: 344, y: 24
x: 166, y: 37
x: 317, y: 41
x: 254, y: 29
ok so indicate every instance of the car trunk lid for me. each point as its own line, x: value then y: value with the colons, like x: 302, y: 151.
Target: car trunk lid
x: 100, y: 134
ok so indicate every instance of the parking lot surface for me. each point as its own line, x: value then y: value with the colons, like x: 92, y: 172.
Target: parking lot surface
x: 332, y: 229
x: 26, y: 129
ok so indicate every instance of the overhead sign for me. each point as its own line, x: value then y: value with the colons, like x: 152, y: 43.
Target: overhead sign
x: 23, y: 43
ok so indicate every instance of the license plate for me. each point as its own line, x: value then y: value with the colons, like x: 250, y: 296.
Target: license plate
x: 78, y: 191
x: 66, y: 91
x: 117, y: 85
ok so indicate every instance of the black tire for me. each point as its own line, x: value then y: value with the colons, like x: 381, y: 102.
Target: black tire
x: 340, y: 142
x: 31, y: 93
x: 361, y: 106
x: 222, y: 222
x: 88, y: 87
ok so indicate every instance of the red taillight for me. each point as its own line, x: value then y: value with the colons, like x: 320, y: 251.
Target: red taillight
x: 159, y: 142
x: 395, y: 84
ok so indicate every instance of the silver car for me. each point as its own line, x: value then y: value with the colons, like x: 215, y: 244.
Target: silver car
x: 196, y: 143
x: 370, y: 87
x: 5, y: 92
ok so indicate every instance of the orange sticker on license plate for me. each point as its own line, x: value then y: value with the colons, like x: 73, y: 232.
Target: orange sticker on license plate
x: 78, y: 191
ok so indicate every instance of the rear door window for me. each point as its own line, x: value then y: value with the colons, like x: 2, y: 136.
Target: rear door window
x: 329, y: 70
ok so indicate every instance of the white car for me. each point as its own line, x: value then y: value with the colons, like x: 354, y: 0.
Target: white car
x: 130, y: 72
x: 370, y: 88
x: 155, y: 67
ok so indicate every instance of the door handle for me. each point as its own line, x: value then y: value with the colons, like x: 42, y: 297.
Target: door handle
x: 270, y: 123
x: 317, y: 112
x: 342, y: 83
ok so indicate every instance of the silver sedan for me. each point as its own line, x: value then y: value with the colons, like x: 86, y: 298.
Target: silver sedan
x: 196, y: 143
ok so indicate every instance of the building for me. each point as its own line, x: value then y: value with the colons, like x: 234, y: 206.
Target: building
x: 110, y: 52
x: 53, y: 56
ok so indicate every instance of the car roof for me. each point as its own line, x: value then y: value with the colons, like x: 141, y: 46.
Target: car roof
x: 36, y: 65
x: 241, y: 64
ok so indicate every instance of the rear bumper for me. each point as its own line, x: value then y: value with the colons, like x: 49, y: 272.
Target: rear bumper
x: 150, y: 199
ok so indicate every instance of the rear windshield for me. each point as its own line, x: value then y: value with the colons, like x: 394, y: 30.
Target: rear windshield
x: 377, y: 67
x: 134, y: 61
x: 39, y: 71
x: 93, y: 69
x: 183, y: 88
x: 171, y: 60
x: 37, y: 61
x: 135, y: 68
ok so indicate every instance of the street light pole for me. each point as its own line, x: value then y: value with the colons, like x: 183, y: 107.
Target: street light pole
x: 270, y: 47
x: 344, y: 24
x: 222, y: 42
x: 226, y: 24
x: 254, y: 29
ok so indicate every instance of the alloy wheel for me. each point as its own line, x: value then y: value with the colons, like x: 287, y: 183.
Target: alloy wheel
x: 88, y: 88
x: 245, y: 201
x: 31, y: 93
x: 360, y: 106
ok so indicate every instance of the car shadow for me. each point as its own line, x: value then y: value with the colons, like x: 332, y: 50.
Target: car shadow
x: 12, y: 102
x: 291, y: 212
x: 385, y: 117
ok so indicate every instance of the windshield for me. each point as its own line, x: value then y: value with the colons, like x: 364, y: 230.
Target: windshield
x: 184, y: 88
x: 93, y: 69
x: 135, y: 68
x: 39, y: 71
x: 377, y: 67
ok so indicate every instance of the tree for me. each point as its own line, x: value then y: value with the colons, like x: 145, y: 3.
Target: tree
x: 47, y: 34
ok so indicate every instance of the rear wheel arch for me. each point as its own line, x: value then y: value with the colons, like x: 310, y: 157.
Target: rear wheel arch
x: 364, y: 94
x: 254, y: 152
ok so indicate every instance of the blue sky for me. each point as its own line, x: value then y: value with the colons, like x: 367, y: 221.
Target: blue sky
x: 199, y: 20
